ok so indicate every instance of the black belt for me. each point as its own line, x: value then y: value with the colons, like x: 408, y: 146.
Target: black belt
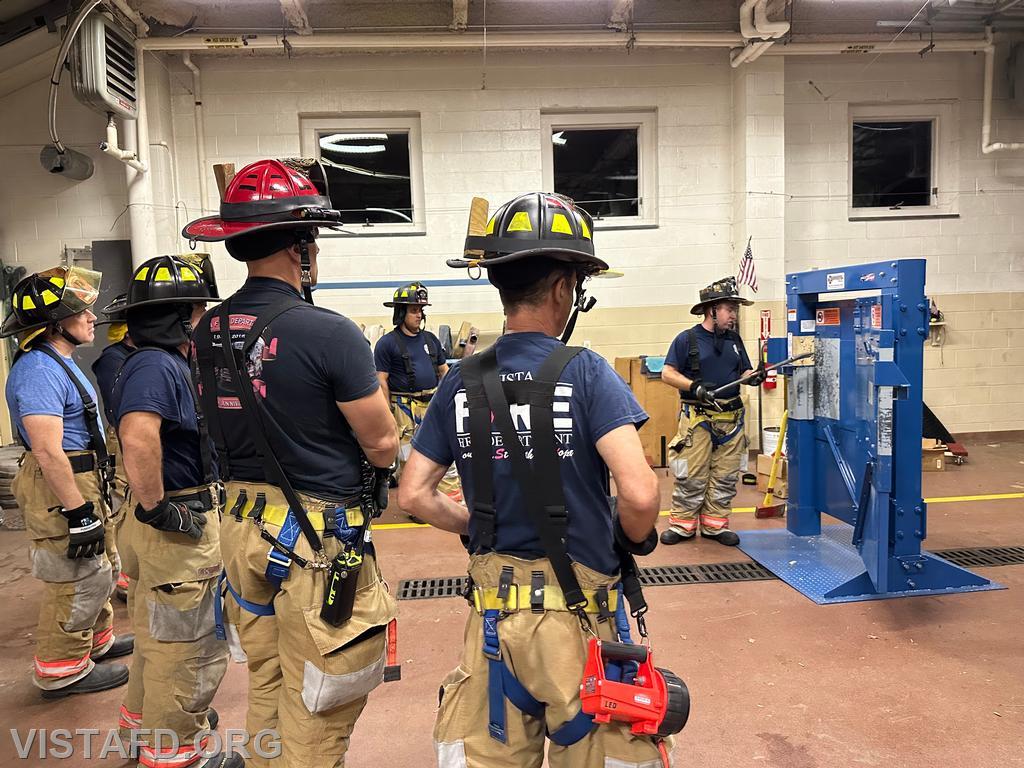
x: 82, y: 463
x: 204, y: 496
x: 410, y: 396
x: 732, y: 404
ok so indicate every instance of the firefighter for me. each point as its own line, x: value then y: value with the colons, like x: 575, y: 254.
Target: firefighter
x: 410, y: 362
x: 543, y: 602
x: 706, y: 451
x: 105, y: 370
x: 62, y: 485
x: 294, y: 409
x: 170, y: 541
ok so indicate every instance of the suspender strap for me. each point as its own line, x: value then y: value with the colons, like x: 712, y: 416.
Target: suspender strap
x: 410, y: 372
x: 694, y: 355
x: 204, y: 370
x: 92, y: 421
x: 480, y: 434
x: 541, y: 485
x: 256, y: 415
x: 205, y: 454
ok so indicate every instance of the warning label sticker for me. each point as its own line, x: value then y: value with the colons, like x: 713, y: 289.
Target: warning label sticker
x: 828, y: 316
x: 806, y: 326
x: 790, y: 315
x: 835, y: 281
x: 876, y: 315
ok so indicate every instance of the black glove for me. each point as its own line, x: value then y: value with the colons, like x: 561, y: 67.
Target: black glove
x: 702, y: 395
x: 86, y: 531
x: 643, y: 548
x: 175, y: 516
x: 758, y: 376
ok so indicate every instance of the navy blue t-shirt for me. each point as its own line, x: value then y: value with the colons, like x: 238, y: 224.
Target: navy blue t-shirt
x: 105, y: 370
x: 425, y: 354
x: 304, y: 363
x: 155, y: 381
x: 721, y: 359
x: 590, y: 401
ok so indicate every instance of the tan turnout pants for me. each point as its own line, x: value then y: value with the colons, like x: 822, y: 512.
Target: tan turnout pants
x: 409, y: 413
x: 704, y: 457
x: 122, y: 503
x: 547, y: 652
x: 178, y: 662
x: 75, y: 616
x: 307, y: 679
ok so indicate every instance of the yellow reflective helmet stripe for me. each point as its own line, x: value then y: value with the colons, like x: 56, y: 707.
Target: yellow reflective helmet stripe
x: 49, y: 297
x: 163, y: 274
x: 27, y: 303
x: 561, y: 224
x: 57, y: 281
x: 585, y: 228
x: 142, y: 273
x: 188, y: 276
x: 520, y: 223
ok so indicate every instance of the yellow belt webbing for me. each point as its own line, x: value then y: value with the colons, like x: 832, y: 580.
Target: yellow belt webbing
x: 486, y: 599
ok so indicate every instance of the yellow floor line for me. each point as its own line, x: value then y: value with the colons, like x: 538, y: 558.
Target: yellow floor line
x: 750, y: 510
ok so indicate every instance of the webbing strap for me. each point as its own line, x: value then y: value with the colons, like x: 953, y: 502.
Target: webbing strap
x: 410, y: 372
x: 256, y: 415
x: 259, y: 609
x: 204, y: 370
x: 480, y: 434
x: 541, y: 484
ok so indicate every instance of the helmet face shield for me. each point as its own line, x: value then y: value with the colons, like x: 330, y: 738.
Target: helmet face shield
x: 81, y: 287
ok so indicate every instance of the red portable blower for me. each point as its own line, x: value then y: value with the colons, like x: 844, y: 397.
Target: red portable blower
x: 654, y: 701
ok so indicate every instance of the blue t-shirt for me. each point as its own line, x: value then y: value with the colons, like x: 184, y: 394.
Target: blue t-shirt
x: 722, y: 359
x: 590, y: 401
x: 425, y: 354
x: 38, y: 386
x: 155, y: 381
x: 105, y: 370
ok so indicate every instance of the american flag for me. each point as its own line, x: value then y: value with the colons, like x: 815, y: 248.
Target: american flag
x: 746, y: 274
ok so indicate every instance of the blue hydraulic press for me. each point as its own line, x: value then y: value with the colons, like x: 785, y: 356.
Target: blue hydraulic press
x: 854, y: 440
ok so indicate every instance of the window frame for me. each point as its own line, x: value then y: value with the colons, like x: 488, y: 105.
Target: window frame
x: 645, y: 121
x: 311, y: 127
x: 944, y: 160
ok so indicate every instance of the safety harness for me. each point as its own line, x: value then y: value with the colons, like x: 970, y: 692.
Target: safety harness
x: 541, y: 484
x: 104, y: 462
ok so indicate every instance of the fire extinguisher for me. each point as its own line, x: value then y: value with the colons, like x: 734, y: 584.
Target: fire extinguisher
x: 771, y: 380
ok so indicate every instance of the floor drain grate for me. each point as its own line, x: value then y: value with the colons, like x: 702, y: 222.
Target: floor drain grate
x: 715, y: 573
x: 983, y: 557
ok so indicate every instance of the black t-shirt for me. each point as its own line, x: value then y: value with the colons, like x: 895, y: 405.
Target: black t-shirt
x: 305, y: 362
x: 426, y: 355
x: 722, y: 359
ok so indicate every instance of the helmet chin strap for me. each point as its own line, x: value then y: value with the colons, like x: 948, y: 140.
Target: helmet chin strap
x: 306, y: 269
x: 583, y: 303
x: 67, y: 336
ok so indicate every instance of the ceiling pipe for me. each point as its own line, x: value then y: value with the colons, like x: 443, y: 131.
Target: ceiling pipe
x: 754, y: 23
x: 948, y: 45
x: 765, y: 28
x: 350, y: 42
x: 200, y: 127
x: 987, y: 145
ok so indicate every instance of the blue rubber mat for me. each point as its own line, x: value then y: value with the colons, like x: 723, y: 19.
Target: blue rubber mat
x: 818, y: 565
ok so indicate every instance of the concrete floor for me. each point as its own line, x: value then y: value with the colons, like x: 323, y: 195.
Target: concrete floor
x: 776, y: 681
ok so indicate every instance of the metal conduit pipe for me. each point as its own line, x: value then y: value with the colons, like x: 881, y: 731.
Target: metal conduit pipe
x: 141, y: 221
x: 200, y: 124
x: 987, y: 145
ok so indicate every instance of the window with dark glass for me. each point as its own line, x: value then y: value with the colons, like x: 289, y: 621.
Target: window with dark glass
x: 892, y: 164
x: 368, y: 175
x: 599, y: 168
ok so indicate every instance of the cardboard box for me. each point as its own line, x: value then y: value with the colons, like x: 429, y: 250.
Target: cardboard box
x: 781, y: 487
x: 933, y: 456
x: 661, y: 402
x: 764, y: 466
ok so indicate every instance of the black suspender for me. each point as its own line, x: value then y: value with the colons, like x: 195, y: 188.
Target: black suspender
x: 410, y: 372
x: 694, y: 355
x: 254, y: 411
x: 540, y: 480
x: 97, y: 444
